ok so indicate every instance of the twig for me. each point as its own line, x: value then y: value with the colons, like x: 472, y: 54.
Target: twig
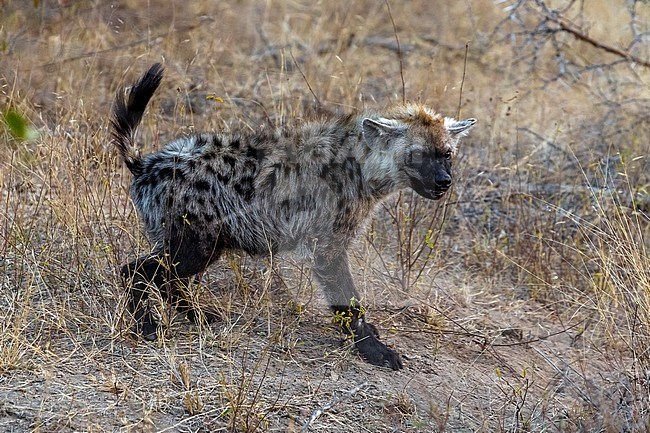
x: 400, y: 55
x: 327, y: 406
x: 295, y: 62
x: 563, y: 373
x: 462, y: 81
x: 388, y: 43
x: 568, y: 27
x: 146, y: 40
x: 486, y: 338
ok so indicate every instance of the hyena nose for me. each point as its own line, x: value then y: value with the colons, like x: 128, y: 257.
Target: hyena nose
x: 444, y: 182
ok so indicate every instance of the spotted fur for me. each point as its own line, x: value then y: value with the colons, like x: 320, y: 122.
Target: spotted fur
x: 309, y: 188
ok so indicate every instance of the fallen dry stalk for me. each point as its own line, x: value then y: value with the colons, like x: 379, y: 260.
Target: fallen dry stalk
x: 329, y: 405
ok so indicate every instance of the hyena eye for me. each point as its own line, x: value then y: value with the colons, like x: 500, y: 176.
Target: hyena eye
x: 416, y: 156
x: 447, y: 155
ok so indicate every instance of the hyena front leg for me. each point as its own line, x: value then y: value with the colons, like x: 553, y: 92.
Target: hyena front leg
x: 332, y: 271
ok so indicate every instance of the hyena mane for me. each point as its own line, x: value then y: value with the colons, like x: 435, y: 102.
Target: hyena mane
x: 308, y: 188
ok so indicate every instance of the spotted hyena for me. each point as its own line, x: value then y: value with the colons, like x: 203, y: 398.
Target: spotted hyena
x: 308, y: 188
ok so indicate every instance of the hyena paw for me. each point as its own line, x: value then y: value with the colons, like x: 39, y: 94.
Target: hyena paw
x: 146, y: 328
x: 201, y: 317
x: 374, y: 351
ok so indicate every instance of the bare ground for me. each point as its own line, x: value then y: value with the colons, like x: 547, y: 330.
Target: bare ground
x: 474, y: 361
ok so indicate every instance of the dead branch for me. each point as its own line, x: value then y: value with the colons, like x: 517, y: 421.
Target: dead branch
x: 567, y: 26
x: 399, y: 52
x: 329, y: 405
x: 304, y: 77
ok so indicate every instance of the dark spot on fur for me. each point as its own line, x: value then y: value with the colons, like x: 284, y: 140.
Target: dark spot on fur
x: 169, y: 173
x: 224, y: 179
x: 229, y: 160
x: 166, y: 173
x: 342, y: 221
x: 235, y: 143
x: 255, y: 153
x: 245, y: 189
x: 274, y: 180
x: 250, y: 166
x: 324, y: 171
x: 216, y: 141
x: 202, y: 185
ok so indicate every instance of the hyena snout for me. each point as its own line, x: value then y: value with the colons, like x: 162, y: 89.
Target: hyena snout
x: 443, y: 180
x: 432, y: 178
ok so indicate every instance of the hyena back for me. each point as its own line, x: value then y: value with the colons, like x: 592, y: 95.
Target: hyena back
x: 308, y: 188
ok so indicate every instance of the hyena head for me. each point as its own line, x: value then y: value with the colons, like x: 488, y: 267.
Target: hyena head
x: 418, y: 146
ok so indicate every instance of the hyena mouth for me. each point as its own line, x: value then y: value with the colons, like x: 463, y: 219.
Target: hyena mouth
x: 441, y: 188
x: 438, y: 194
x: 431, y: 191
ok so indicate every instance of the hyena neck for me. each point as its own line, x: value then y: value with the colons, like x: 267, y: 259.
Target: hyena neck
x: 379, y: 171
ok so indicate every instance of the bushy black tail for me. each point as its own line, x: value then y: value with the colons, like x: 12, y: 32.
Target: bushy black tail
x: 128, y: 114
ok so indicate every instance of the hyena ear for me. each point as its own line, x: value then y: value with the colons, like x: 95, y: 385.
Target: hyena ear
x: 459, y: 127
x: 376, y: 131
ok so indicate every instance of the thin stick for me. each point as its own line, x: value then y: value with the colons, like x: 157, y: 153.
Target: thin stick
x: 567, y: 26
x: 295, y: 62
x: 327, y: 406
x: 400, y: 55
x: 462, y: 82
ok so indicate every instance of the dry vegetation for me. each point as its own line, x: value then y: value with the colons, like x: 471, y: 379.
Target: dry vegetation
x: 521, y: 303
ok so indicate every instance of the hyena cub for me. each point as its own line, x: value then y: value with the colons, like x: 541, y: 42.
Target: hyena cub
x: 308, y: 188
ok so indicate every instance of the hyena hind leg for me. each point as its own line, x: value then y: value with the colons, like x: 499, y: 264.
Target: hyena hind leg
x: 192, y: 255
x: 139, y: 277
x: 171, y: 280
x: 180, y: 297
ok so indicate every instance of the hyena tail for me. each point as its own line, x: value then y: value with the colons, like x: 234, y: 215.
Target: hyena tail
x: 127, y: 114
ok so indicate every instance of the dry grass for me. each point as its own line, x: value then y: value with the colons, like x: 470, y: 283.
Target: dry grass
x: 521, y: 303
